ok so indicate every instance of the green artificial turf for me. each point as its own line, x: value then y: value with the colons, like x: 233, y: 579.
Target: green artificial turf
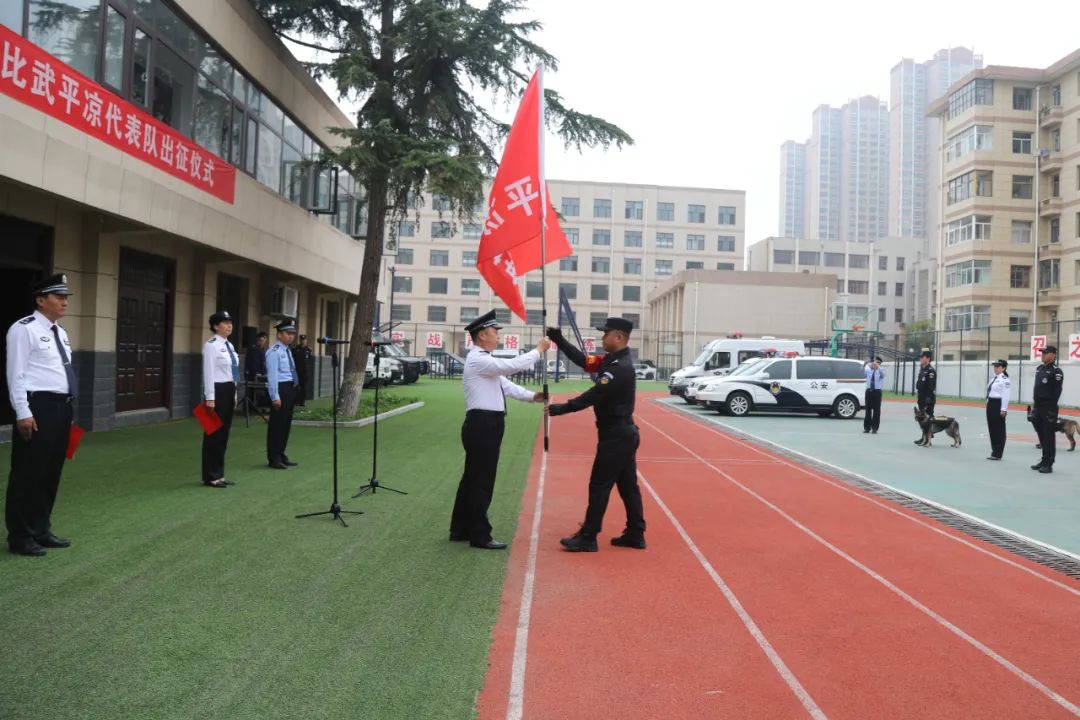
x: 180, y: 601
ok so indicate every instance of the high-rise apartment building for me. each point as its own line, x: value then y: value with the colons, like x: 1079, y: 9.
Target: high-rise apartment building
x: 864, y: 176
x: 793, y: 189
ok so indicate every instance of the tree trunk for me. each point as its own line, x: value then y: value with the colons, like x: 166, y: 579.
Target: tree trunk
x: 360, y: 343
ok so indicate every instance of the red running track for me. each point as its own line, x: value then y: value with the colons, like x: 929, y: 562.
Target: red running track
x: 769, y: 590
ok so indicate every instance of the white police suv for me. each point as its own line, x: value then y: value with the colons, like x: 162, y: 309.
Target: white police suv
x: 827, y: 386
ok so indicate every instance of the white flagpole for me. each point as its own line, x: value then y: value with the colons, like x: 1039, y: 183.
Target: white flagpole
x: 543, y: 251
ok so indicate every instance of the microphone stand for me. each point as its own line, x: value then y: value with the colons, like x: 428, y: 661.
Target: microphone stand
x: 373, y: 485
x: 335, y: 508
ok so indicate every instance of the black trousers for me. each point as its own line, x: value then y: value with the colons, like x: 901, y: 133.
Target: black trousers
x: 481, y: 435
x: 615, y: 464
x: 995, y: 424
x: 213, y: 446
x: 927, y: 403
x: 277, y: 430
x: 872, y: 419
x: 1045, y: 418
x: 36, y: 465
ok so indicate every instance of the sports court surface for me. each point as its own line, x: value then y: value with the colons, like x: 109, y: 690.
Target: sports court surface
x: 774, y: 588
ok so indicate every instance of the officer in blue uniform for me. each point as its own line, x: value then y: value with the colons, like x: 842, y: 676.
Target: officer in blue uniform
x: 615, y: 464
x: 1049, y: 379
x: 282, y: 380
x: 42, y: 386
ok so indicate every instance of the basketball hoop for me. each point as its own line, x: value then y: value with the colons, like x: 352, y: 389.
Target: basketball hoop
x: 857, y: 327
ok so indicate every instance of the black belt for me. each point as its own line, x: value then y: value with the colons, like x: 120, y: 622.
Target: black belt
x: 500, y: 413
x: 615, y: 421
x: 50, y: 396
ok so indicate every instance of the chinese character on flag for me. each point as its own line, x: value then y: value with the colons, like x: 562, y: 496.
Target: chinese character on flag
x: 1038, y: 342
x: 434, y: 340
x: 590, y: 345
x: 468, y: 341
x: 510, y: 342
x: 1074, y: 348
x: 397, y: 337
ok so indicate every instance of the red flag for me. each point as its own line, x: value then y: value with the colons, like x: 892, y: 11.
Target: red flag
x: 75, y: 434
x: 209, y: 419
x: 518, y: 206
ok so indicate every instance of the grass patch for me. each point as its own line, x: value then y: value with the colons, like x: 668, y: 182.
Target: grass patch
x: 178, y: 601
x: 388, y: 400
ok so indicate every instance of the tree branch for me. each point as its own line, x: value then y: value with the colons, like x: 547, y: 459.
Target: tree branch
x: 313, y: 46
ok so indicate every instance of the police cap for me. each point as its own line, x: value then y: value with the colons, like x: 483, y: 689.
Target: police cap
x: 1000, y: 363
x: 878, y: 360
x: 484, y: 321
x: 1050, y: 349
x: 616, y: 323
x: 219, y: 317
x: 286, y: 325
x: 926, y: 354
x: 53, y: 285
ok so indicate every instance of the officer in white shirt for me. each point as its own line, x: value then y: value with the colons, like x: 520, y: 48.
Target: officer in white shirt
x: 997, y: 405
x: 221, y: 373
x: 42, y: 386
x: 486, y: 389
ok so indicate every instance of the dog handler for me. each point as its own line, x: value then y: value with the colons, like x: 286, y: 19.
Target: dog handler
x: 997, y: 404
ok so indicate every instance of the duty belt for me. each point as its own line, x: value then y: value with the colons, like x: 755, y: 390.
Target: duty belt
x: 50, y: 396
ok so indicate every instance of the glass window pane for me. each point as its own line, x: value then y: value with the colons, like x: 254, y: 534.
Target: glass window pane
x: 294, y: 174
x: 293, y: 134
x: 174, y: 89
x: 112, y: 71
x: 268, y: 164
x: 270, y: 113
x: 240, y: 87
x: 11, y: 14
x: 216, y: 67
x: 237, y: 141
x: 140, y: 77
x: 212, y: 112
x: 173, y: 30
x: 250, y: 145
x: 68, y: 29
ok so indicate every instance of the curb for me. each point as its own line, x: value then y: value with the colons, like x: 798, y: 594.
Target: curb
x: 362, y: 421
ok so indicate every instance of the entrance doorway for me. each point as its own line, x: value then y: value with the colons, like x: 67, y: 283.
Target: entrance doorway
x: 143, y: 331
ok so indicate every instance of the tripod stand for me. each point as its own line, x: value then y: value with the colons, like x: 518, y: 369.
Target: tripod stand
x: 335, y: 509
x: 373, y: 485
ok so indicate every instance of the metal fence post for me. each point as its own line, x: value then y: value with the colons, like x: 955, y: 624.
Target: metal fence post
x: 960, y: 386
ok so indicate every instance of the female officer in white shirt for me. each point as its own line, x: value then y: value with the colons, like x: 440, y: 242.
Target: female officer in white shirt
x: 221, y: 372
x: 997, y: 404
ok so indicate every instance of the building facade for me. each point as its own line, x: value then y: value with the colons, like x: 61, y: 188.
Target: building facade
x: 626, y: 240
x: 793, y: 189
x: 1010, y: 244
x: 164, y: 155
x: 871, y: 280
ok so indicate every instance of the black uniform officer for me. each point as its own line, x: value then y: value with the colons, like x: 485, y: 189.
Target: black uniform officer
x: 301, y: 356
x: 42, y: 386
x: 612, y: 400
x: 1048, y: 382
x: 221, y: 373
x: 926, y: 387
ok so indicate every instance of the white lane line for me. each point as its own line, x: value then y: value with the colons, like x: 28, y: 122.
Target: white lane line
x: 515, y: 707
x: 870, y: 499
x: 751, y: 626
x: 984, y: 649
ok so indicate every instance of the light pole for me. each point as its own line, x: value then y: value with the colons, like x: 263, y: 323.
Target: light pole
x: 392, y: 271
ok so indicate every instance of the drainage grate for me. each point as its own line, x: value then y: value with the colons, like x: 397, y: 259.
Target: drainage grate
x: 1064, y: 564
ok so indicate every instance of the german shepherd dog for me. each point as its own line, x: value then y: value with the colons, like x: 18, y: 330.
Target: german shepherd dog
x: 1069, y: 427
x: 933, y: 425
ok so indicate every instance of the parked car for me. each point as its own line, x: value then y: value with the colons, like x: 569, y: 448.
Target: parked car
x: 551, y: 370
x: 386, y: 372
x: 411, y: 367
x: 827, y: 386
x: 725, y: 354
x: 645, y: 371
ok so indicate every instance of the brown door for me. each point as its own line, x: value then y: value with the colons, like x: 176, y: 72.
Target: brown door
x: 142, y: 332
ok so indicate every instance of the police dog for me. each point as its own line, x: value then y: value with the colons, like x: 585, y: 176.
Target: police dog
x: 1069, y: 427
x: 933, y: 425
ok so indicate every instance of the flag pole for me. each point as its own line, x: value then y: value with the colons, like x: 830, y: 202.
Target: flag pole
x: 543, y: 256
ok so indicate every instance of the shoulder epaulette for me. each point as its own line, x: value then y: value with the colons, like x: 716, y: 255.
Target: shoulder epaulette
x: 213, y: 339
x: 27, y: 320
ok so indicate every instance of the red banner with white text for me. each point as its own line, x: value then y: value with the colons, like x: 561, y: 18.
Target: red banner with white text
x: 35, y: 78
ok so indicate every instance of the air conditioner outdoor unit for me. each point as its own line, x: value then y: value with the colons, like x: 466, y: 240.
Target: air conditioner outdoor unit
x: 285, y: 301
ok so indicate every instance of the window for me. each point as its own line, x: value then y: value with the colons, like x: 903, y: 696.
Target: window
x: 601, y: 237
x: 402, y: 284
x: 976, y: 137
x: 665, y: 241
x: 969, y: 272
x: 631, y: 266
x: 779, y: 370
x: 725, y: 266
x: 809, y: 258
x: 1049, y: 276
x: 1021, y: 187
x: 882, y: 288
x: 470, y: 286
x: 468, y: 314
x: 664, y: 267
x: 633, y: 318
x: 404, y: 256
x: 966, y: 317
x: 860, y: 262
x: 68, y: 30
x: 502, y: 316
x: 568, y: 263
x: 635, y: 209
x: 601, y: 264
x: 632, y: 238
x: 1055, y: 96
x: 899, y: 264
x: 596, y: 319
x: 1020, y: 276
x: 534, y: 289
x: 1055, y: 140
x: 571, y: 235
x: 970, y: 184
x: 11, y: 15
x: 571, y: 207
x: 883, y: 262
x: 898, y: 315
x: 899, y: 292
x: 726, y: 215
x: 114, y: 58
x: 599, y: 292
x: 695, y: 213
x: 1055, y: 230
x: 977, y: 92
x: 436, y: 313
x: 1055, y: 186
x: 665, y: 211
x: 440, y: 229
x: 858, y: 287
x: 807, y: 369
x: 471, y: 231
x: 401, y: 313
x: 695, y: 242
x: 1018, y: 320
x: 440, y: 258
x: 726, y: 243
x: 834, y: 259
x: 437, y: 286
x: 1021, y: 143
x: 881, y: 314
x: 1021, y: 232
x: 406, y: 229
x: 695, y: 264
x: 1021, y: 98
x: 601, y: 208
x: 631, y: 293
x: 783, y: 257
x: 972, y: 227
x: 569, y: 289
x: 534, y: 317
x: 468, y: 258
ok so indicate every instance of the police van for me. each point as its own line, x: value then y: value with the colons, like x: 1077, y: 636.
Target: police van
x: 724, y: 355
x: 827, y: 386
